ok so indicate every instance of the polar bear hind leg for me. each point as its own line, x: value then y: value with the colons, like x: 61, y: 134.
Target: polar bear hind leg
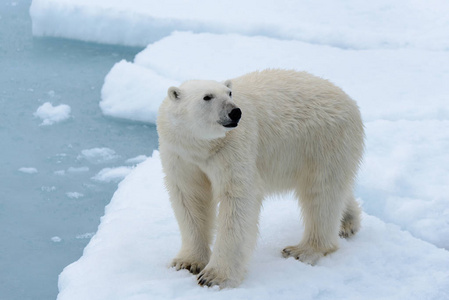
x: 350, y: 222
x: 322, y: 217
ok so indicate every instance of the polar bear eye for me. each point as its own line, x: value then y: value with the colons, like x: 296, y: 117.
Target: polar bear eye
x: 207, y: 97
x: 230, y: 94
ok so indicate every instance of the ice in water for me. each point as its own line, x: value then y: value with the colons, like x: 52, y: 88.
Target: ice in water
x: 49, y: 115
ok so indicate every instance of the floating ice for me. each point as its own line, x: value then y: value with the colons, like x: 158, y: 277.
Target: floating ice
x: 48, y: 189
x: 87, y: 235
x: 133, y: 92
x: 128, y: 257
x: 354, y: 24
x: 112, y: 174
x: 28, y: 170
x: 137, y: 160
x: 399, y: 84
x: 52, y: 114
x: 56, y: 239
x: 74, y: 195
x: 404, y: 176
x: 99, y: 155
x: 402, y: 154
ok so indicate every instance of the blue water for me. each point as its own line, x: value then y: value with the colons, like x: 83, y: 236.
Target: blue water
x: 42, y: 230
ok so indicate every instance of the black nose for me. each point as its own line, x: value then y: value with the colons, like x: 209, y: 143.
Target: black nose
x: 235, y: 114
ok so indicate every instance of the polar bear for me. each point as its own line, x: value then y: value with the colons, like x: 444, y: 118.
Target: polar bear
x: 229, y: 144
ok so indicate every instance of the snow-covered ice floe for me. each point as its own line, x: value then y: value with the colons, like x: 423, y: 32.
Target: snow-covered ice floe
x: 391, y: 57
x: 133, y: 92
x: 404, y: 177
x: 128, y: 257
x: 352, y: 24
x: 401, y: 84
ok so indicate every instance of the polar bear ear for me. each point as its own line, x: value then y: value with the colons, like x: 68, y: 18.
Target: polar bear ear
x: 174, y: 93
x: 228, y: 83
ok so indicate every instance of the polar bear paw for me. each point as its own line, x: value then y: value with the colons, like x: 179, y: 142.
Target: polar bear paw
x: 213, y: 277
x: 192, y: 266
x: 350, y: 225
x: 306, y: 254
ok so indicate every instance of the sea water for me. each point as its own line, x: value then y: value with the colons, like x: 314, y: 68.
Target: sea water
x: 50, y: 202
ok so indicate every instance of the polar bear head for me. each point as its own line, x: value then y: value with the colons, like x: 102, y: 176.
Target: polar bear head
x: 203, y: 107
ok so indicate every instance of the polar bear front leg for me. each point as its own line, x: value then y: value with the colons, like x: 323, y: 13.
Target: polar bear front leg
x: 236, y: 238
x: 191, y: 199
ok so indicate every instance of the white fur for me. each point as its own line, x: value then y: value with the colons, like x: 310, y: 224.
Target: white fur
x: 297, y: 132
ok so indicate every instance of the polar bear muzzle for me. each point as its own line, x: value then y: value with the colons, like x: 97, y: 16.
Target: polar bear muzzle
x: 234, y: 117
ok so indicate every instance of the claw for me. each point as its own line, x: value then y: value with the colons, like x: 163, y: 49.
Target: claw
x: 211, y: 278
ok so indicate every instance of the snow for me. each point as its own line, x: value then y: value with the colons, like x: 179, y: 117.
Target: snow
x: 99, y: 155
x: 136, y: 160
x: 86, y: 235
x: 112, y: 174
x: 129, y: 255
x: 28, y: 170
x: 48, y: 189
x: 391, y: 57
x: 74, y: 195
x: 352, y: 24
x: 56, y: 239
x: 362, y: 74
x: 133, y: 92
x: 52, y: 114
x: 406, y: 123
x: 404, y: 177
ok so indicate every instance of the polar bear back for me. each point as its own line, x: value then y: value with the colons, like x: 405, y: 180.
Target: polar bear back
x: 302, y: 122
